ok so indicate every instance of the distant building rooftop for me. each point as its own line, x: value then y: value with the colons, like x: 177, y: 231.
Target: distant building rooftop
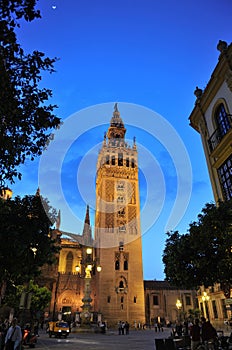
x: 159, y: 285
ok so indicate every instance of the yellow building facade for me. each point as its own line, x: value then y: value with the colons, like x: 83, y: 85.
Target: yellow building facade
x: 211, y: 117
x: 166, y: 303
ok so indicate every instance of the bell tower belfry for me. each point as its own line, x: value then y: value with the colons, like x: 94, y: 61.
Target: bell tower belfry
x: 117, y: 228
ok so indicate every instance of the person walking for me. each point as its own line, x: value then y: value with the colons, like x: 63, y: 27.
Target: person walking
x: 208, y: 332
x: 195, y: 334
x: 13, y: 336
x: 120, y: 327
x: 123, y: 328
x: 127, y: 326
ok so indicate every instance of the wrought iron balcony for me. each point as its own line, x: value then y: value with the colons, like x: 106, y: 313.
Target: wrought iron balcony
x: 217, y: 137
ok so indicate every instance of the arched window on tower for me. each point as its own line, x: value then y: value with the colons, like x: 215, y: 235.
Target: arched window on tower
x: 113, y: 160
x: 117, y: 265
x: 125, y: 263
x: 120, y: 186
x: 121, y: 213
x: 120, y: 199
x: 69, y: 262
x: 117, y: 261
x: 120, y: 159
x: 121, y: 285
x: 122, y: 227
x: 132, y: 163
x: 107, y: 159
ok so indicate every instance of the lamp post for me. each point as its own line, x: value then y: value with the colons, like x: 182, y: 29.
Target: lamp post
x: 179, y: 306
x: 26, y: 296
x: 88, y: 263
x: 205, y: 298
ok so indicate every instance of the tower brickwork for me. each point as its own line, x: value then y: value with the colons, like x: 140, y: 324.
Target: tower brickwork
x: 117, y: 228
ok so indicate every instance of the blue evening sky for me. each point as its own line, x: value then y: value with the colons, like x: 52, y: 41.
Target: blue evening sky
x: 148, y: 56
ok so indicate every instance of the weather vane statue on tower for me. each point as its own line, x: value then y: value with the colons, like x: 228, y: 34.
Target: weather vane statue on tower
x: 116, y: 107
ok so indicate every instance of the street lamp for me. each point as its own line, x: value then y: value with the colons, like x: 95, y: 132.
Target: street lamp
x: 205, y: 298
x: 179, y: 306
x: 88, y: 263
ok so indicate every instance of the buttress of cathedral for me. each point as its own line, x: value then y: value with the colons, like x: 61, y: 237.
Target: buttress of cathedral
x: 117, y: 292
x: 117, y: 228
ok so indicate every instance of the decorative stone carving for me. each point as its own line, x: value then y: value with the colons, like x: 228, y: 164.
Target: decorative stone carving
x: 198, y: 92
x: 222, y: 45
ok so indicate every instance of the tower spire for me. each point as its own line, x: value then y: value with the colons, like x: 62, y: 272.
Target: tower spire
x: 116, y: 131
x: 87, y: 220
x: 58, y: 220
x: 116, y: 107
x: 87, y: 233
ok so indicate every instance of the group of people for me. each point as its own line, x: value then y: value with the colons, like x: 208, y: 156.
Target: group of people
x: 123, y: 327
x: 13, y: 337
x: 158, y: 327
x: 10, y: 335
x: 201, y: 332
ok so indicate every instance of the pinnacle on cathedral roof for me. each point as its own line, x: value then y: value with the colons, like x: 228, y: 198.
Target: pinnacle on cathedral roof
x: 116, y: 120
x: 87, y: 220
x: 87, y: 234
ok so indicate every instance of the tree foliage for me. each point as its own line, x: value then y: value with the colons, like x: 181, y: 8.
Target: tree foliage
x: 25, y: 117
x: 26, y: 239
x: 202, y: 256
x: 40, y: 297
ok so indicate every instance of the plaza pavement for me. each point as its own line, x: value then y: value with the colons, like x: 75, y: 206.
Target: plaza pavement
x: 111, y: 340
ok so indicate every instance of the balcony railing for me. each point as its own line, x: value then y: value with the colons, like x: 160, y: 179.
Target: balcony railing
x: 217, y: 137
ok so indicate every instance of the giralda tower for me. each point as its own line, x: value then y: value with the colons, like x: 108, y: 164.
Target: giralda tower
x: 120, y: 289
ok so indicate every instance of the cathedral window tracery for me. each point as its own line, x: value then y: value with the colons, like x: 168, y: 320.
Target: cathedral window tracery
x: 69, y: 262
